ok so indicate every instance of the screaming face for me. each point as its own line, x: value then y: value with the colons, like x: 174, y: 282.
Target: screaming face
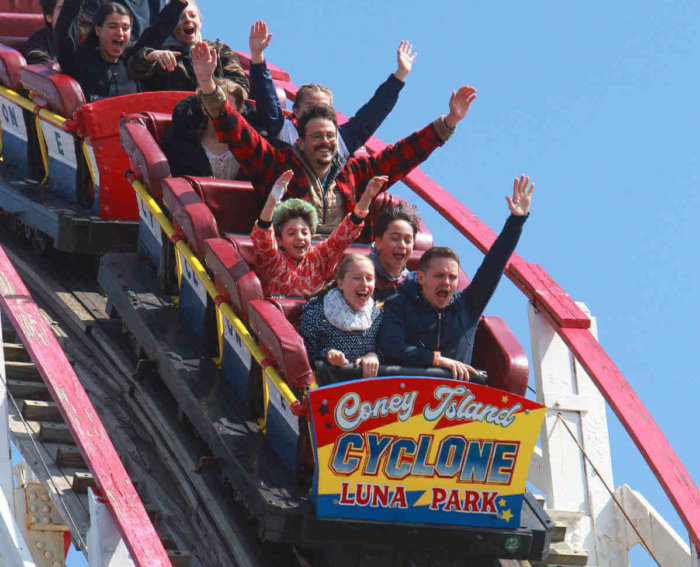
x: 295, y: 238
x: 439, y: 281
x: 395, y: 246
x: 187, y: 30
x: 114, y: 35
x: 357, y: 285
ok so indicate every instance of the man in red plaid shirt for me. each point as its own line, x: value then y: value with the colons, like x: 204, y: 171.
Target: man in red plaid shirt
x: 330, y: 183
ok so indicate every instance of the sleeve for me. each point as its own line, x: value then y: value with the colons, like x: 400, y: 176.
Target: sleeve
x: 168, y: 18
x: 356, y: 131
x: 268, y: 107
x: 257, y: 157
x: 65, y: 37
x: 310, y: 331
x: 268, y: 257
x: 392, y: 338
x: 139, y: 67
x: 396, y: 160
x: 231, y: 66
x: 37, y: 50
x: 478, y: 293
x: 329, y: 252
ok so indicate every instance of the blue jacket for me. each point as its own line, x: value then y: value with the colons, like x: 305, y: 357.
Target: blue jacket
x: 412, y: 329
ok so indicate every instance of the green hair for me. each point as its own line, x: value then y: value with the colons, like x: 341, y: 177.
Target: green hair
x: 293, y: 209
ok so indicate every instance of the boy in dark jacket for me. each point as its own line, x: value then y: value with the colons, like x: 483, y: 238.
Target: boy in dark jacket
x: 39, y: 47
x: 430, y: 323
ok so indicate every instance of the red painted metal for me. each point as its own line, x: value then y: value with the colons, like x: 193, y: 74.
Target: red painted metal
x: 88, y: 432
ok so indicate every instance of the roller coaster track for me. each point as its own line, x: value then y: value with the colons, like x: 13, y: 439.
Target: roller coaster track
x: 195, y: 513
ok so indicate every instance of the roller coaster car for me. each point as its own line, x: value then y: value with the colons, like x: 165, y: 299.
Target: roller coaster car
x: 400, y: 461
x: 62, y: 165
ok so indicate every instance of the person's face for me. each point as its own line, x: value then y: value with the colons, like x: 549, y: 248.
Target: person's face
x: 295, y: 238
x: 187, y: 30
x: 53, y: 18
x: 320, y: 144
x: 395, y: 246
x: 439, y: 281
x: 357, y: 286
x: 311, y: 98
x: 114, y: 35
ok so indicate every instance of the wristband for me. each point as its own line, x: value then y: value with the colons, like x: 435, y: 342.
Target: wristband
x: 449, y: 128
x: 360, y: 213
x: 436, y: 356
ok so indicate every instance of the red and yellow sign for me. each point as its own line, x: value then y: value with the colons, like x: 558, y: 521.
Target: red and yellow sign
x: 410, y: 449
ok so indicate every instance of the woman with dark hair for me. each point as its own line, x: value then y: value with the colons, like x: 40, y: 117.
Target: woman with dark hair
x: 99, y: 62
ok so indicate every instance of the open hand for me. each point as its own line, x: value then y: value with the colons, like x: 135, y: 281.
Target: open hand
x: 204, y: 62
x: 374, y: 186
x: 370, y: 364
x: 258, y: 41
x: 405, y: 59
x: 165, y: 58
x: 519, y: 204
x: 336, y: 358
x: 460, y: 102
x: 280, y: 186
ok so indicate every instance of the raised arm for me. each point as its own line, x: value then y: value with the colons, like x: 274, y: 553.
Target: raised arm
x: 481, y: 288
x: 356, y: 131
x: 65, y: 37
x: 267, y: 106
x: 168, y: 18
x: 258, y: 158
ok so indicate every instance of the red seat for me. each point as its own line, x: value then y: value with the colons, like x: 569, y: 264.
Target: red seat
x: 11, y: 61
x: 278, y: 338
x: 497, y: 351
x: 189, y: 213
x: 136, y: 132
x: 291, y: 307
x: 17, y: 23
x: 244, y: 246
x: 235, y: 204
x: 61, y: 93
x: 232, y: 276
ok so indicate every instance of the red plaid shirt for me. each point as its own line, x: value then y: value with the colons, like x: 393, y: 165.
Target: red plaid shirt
x: 280, y: 275
x: 264, y: 163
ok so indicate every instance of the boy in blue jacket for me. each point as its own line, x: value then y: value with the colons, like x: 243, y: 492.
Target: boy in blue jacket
x: 428, y: 322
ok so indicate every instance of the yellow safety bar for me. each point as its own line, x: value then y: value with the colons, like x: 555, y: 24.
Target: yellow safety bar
x: 88, y: 161
x: 225, y: 309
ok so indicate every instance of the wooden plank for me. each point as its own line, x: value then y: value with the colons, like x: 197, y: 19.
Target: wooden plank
x: 54, y: 433
x: 17, y: 370
x: 15, y: 352
x: 77, y: 410
x: 636, y: 419
x: 40, y: 411
x: 82, y: 481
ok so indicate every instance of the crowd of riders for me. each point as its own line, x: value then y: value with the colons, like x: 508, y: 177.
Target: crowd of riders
x: 315, y: 179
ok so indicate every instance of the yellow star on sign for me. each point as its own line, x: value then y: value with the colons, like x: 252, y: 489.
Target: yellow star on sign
x: 507, y: 515
x: 504, y: 399
x: 502, y: 502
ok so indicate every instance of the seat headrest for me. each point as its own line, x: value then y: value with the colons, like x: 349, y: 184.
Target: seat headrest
x: 145, y: 155
x: 235, y: 204
x: 62, y: 93
x: 11, y: 62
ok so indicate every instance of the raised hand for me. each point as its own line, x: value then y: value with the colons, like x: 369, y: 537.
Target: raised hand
x: 280, y: 186
x: 519, y: 203
x: 336, y: 358
x: 405, y: 60
x: 374, y: 186
x: 258, y: 41
x: 370, y: 365
x: 165, y: 58
x: 204, y: 63
x: 460, y: 102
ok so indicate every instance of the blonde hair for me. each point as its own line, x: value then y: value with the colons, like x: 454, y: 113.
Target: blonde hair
x: 344, y: 264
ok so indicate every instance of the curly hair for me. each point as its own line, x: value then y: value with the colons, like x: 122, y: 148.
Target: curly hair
x: 391, y: 213
x: 294, y: 209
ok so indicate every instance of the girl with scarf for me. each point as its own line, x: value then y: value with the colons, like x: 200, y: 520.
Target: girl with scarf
x: 341, y: 325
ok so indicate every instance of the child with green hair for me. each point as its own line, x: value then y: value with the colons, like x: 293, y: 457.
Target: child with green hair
x: 285, y: 260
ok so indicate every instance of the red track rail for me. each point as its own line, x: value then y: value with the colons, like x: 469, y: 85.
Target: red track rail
x: 88, y: 432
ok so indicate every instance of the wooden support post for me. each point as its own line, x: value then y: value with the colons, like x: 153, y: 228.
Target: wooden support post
x: 572, y: 487
x: 5, y: 448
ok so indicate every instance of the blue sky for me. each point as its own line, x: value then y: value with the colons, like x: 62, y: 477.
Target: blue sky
x: 598, y: 102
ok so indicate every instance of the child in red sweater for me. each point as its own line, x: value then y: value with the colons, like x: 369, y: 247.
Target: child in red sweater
x: 285, y: 260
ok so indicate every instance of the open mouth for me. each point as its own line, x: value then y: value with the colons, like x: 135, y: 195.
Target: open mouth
x: 189, y: 31
x: 118, y: 43
x: 399, y: 257
x: 442, y: 293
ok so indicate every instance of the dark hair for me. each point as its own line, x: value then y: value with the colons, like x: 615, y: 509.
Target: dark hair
x: 109, y: 8
x: 294, y: 209
x: 436, y: 252
x: 47, y: 6
x: 309, y: 88
x: 391, y: 213
x: 316, y: 111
